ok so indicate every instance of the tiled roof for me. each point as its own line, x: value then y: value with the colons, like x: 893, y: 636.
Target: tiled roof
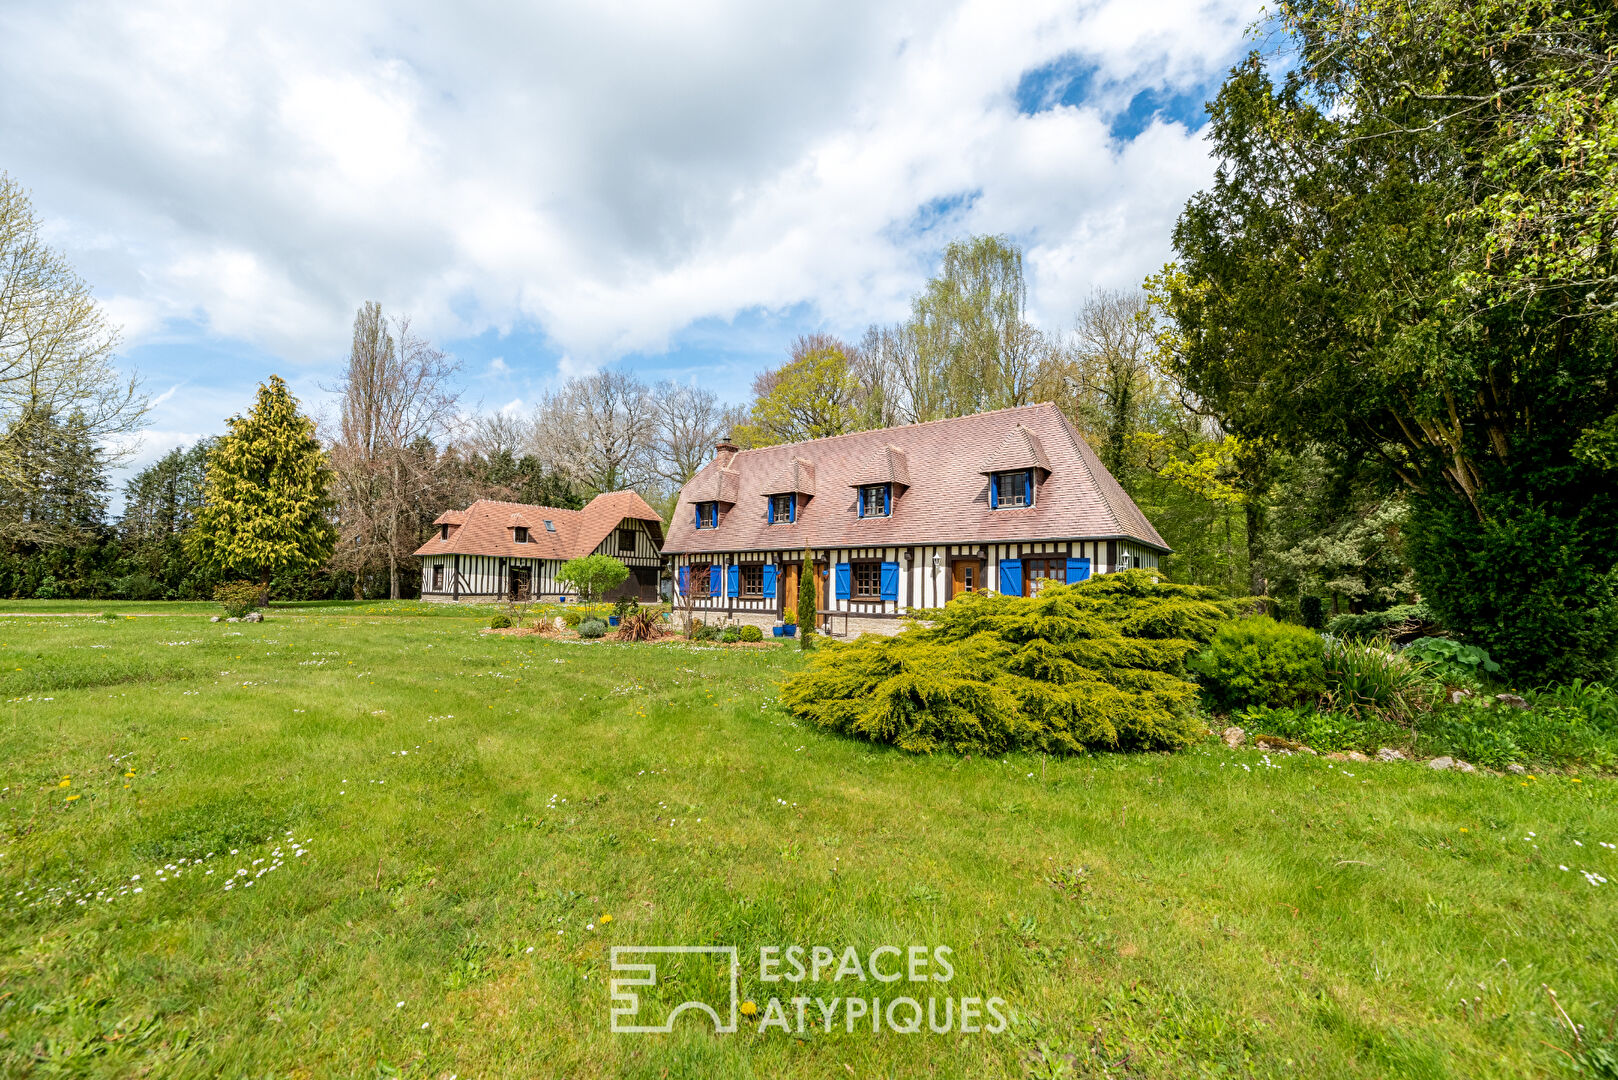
x: 798, y: 476
x: 1021, y: 450
x: 947, y: 497
x: 486, y: 527
x: 887, y: 465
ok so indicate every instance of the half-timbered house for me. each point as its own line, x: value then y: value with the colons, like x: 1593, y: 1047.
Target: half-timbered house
x: 512, y: 551
x: 899, y: 518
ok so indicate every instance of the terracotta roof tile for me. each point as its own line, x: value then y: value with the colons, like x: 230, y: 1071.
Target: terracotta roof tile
x: 947, y: 500
x: 486, y: 527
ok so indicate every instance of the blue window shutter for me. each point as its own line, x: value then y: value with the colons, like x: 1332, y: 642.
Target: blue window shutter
x: 716, y: 580
x: 769, y: 580
x: 733, y: 580
x: 842, y: 575
x: 699, y: 515
x: 887, y: 499
x: 994, y: 491
x: 859, y: 501
x: 685, y: 580
x: 713, y: 515
x: 771, y: 507
x: 1077, y: 570
x: 1028, y: 487
x: 1011, y: 577
x: 792, y: 508
x: 890, y: 581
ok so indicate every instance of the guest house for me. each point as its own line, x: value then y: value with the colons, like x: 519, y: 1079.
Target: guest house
x: 512, y: 551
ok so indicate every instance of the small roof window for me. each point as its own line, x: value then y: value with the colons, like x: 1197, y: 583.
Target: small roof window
x: 550, y: 526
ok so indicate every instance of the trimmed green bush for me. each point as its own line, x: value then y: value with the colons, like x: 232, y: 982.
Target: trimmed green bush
x: 730, y: 635
x: 592, y: 629
x: 1097, y: 664
x: 239, y: 598
x: 752, y: 633
x: 1258, y: 661
x: 499, y: 622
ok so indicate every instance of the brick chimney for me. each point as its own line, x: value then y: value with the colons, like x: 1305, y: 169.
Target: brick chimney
x: 724, y: 452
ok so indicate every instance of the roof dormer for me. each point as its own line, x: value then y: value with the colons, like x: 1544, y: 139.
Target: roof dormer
x: 1019, y: 451
x: 889, y: 465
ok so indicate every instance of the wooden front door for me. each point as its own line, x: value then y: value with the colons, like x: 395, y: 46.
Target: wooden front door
x: 521, y: 576
x: 789, y: 588
x: 966, y: 575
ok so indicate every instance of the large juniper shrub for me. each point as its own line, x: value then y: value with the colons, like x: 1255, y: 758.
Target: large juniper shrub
x: 1097, y: 664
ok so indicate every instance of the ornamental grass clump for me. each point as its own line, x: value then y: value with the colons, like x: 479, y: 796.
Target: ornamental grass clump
x: 1098, y: 664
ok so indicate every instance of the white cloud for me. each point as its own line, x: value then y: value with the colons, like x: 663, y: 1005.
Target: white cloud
x: 609, y: 173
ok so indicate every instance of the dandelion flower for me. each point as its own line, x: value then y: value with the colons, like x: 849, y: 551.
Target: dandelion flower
x: 606, y: 919
x: 70, y: 798
x: 749, y: 1009
x: 65, y: 783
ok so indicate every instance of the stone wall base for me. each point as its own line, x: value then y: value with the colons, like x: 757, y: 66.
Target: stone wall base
x: 855, y: 626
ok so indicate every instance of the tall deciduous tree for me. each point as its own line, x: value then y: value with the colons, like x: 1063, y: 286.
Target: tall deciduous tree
x: 813, y: 396
x: 57, y: 373
x: 268, y: 493
x: 598, y: 431
x: 395, y: 393
x: 1353, y: 279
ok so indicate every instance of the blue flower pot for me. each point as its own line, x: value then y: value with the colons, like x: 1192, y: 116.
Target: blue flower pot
x: 789, y: 630
x: 779, y: 631
x: 612, y: 620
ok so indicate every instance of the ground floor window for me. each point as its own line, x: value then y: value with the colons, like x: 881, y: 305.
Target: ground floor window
x: 1039, y: 572
x: 867, y: 580
x: 753, y: 579
x: 699, y: 580
x: 438, y: 577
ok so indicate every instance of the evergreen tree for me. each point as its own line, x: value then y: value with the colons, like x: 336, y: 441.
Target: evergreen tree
x: 267, y: 495
x: 806, y: 599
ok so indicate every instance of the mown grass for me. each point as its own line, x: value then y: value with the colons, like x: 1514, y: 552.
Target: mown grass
x: 462, y: 799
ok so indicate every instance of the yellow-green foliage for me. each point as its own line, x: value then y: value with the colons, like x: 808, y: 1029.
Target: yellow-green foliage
x: 1098, y: 664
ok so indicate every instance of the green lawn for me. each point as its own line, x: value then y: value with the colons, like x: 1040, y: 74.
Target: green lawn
x: 470, y: 810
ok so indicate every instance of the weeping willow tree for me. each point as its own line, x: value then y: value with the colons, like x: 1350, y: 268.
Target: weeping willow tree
x: 1098, y: 664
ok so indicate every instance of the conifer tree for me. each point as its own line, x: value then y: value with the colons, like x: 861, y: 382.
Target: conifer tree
x: 266, y: 499
x: 806, y: 599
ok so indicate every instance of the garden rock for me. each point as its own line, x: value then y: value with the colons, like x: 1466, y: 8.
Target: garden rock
x: 1511, y: 699
x: 1444, y: 763
x: 1234, y: 737
x: 1347, y: 755
x: 233, y: 619
x: 1285, y: 746
x: 1388, y: 754
x: 1516, y: 769
x: 253, y: 616
x: 213, y: 618
x: 1458, y: 696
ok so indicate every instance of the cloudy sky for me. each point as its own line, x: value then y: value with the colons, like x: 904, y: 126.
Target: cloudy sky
x: 680, y: 189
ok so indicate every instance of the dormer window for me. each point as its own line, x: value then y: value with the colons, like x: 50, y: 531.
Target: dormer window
x: 550, y: 526
x: 443, y: 532
x: 783, y: 509
x: 707, y: 515
x: 520, y: 534
x: 1011, y: 489
x: 876, y: 500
